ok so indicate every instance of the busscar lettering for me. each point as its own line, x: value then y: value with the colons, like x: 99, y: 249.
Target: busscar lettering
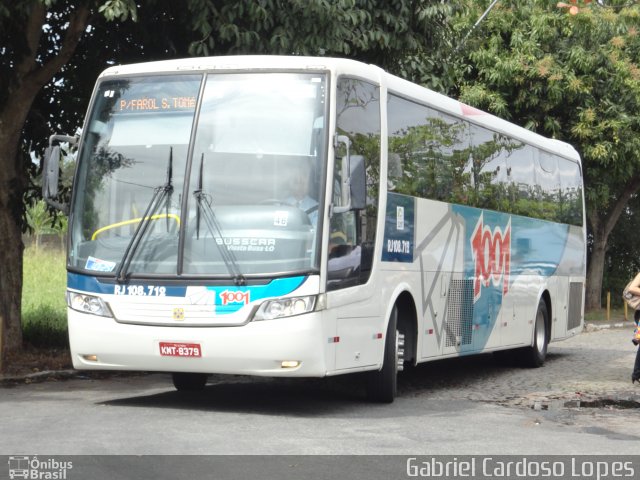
x: 246, y: 244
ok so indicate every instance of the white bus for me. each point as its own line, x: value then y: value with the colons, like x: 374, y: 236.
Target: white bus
x: 310, y: 217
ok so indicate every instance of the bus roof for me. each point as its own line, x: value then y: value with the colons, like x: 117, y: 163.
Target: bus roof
x: 339, y: 66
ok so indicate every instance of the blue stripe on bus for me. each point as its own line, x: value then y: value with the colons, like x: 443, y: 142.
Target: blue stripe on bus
x: 498, y: 247
x: 91, y: 284
x: 228, y: 299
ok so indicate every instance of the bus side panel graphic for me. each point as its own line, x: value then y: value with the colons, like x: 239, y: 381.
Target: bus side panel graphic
x: 500, y: 249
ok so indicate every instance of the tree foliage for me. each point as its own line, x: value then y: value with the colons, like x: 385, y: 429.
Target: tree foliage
x: 51, y: 51
x: 38, y: 39
x: 571, y: 75
x: 407, y: 37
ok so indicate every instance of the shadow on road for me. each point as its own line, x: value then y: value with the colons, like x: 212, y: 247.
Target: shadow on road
x: 330, y: 396
x: 303, y: 397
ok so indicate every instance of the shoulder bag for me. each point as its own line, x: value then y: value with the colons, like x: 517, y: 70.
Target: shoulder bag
x: 632, y: 300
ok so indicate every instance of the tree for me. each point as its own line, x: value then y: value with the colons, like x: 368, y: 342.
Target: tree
x: 54, y: 49
x: 407, y: 37
x: 568, y: 71
x: 39, y: 38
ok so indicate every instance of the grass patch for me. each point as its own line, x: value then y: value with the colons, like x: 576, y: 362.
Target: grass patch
x: 44, y: 308
x: 616, y: 314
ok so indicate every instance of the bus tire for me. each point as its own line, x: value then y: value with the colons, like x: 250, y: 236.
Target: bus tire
x: 189, y: 382
x: 535, y: 355
x: 382, y: 385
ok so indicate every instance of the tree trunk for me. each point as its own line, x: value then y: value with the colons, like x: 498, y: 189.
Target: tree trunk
x: 29, y: 77
x: 602, y: 223
x: 11, y: 247
x: 595, y: 271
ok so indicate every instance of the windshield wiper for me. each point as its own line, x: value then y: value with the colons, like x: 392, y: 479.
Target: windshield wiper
x: 204, y: 209
x: 159, y: 194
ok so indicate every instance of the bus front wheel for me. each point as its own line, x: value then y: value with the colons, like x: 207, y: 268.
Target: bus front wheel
x: 382, y: 385
x: 189, y: 382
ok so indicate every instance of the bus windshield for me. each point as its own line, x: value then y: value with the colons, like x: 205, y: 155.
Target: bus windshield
x: 217, y: 176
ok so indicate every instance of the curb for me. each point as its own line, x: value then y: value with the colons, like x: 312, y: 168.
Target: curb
x: 67, y: 374
x: 38, y: 377
x: 591, y: 327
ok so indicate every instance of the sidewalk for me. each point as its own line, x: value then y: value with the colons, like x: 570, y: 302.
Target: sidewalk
x: 602, y: 324
x: 616, y: 320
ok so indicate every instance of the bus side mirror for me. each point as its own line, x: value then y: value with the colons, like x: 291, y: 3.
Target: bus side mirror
x: 51, y: 170
x: 354, y: 181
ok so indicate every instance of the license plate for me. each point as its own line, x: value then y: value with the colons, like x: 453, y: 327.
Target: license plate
x: 172, y: 349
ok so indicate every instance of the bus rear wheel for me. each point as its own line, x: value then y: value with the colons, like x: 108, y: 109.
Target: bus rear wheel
x: 535, y: 355
x: 382, y: 385
x: 189, y: 382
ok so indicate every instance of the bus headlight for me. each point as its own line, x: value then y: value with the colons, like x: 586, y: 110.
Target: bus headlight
x: 88, y: 304
x: 285, y: 307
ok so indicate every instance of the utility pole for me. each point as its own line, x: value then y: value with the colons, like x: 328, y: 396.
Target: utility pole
x: 482, y: 17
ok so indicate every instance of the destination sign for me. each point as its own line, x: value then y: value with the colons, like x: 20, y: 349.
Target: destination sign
x: 144, y: 104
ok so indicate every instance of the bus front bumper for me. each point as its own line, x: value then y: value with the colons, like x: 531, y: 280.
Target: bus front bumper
x: 289, y: 347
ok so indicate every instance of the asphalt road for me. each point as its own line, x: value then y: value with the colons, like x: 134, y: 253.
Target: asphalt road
x: 580, y: 403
